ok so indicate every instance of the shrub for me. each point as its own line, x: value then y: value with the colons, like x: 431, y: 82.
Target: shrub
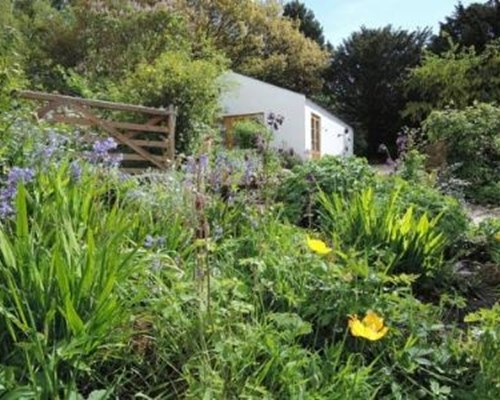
x: 408, y: 243
x: 176, y: 78
x: 473, y: 145
x: 299, y: 191
x: 454, y: 221
x: 247, y: 133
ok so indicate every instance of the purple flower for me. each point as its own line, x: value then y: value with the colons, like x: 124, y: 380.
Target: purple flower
x: 103, y: 147
x: 160, y: 241
x: 76, y: 171
x: 100, y: 153
x: 274, y: 121
x: 6, y: 209
x: 249, y: 170
x: 8, y: 193
x: 402, y: 142
x: 204, y: 162
x: 149, y: 242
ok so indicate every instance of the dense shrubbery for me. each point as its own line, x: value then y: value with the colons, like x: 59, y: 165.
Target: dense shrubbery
x: 299, y: 191
x: 194, y: 283
x: 473, y: 145
x: 184, y: 284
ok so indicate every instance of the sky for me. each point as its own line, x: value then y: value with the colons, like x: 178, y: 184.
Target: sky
x: 342, y: 17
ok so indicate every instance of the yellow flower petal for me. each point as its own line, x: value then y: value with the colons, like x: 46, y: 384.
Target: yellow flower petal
x: 371, y: 327
x: 318, y: 246
x: 373, y: 321
x: 497, y: 237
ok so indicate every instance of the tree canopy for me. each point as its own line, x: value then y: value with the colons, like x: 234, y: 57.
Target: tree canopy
x: 455, y: 79
x: 308, y: 24
x: 258, y: 41
x: 475, y: 25
x: 366, y: 80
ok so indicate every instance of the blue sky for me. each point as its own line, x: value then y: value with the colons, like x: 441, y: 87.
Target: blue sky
x: 341, y: 17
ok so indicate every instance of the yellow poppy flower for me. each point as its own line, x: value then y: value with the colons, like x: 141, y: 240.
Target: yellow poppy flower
x: 497, y: 237
x: 371, y: 327
x: 318, y: 246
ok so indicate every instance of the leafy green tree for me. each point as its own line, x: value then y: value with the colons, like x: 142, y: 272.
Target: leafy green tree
x: 259, y: 41
x: 475, y: 25
x: 176, y: 78
x: 11, y: 59
x: 456, y: 79
x: 366, y: 79
x: 308, y: 24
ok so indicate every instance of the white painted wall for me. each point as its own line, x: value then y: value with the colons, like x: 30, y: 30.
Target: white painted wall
x: 245, y: 95
x: 334, y: 139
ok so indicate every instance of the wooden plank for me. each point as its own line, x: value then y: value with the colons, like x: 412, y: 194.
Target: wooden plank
x: 151, y: 143
x: 28, y: 94
x: 43, y: 111
x: 170, y: 153
x: 118, y: 136
x: 136, y: 157
x: 118, y: 125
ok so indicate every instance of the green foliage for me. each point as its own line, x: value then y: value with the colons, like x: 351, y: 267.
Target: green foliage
x: 176, y: 78
x: 483, y: 243
x: 473, y: 144
x: 366, y: 80
x: 408, y: 243
x: 298, y: 191
x: 247, y: 133
x: 455, y: 79
x: 423, y: 198
x: 308, y: 24
x: 11, y: 59
x: 65, y: 265
x: 259, y: 41
x: 474, y: 25
x: 487, y: 352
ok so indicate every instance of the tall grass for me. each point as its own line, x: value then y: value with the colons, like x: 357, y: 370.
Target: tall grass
x: 65, y: 264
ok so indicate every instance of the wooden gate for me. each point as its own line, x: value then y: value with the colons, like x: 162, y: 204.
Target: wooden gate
x: 148, y: 144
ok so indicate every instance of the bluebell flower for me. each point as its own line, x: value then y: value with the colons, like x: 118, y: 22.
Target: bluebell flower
x: 149, y: 242
x: 204, y: 162
x: 100, y: 153
x: 8, y: 193
x: 161, y: 241
x: 76, y: 171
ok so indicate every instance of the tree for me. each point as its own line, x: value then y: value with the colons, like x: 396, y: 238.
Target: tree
x: 308, y: 24
x: 366, y: 80
x: 475, y: 25
x: 11, y: 59
x: 456, y: 79
x: 259, y: 41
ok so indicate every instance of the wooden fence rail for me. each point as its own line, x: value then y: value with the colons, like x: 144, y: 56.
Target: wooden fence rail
x: 157, y: 133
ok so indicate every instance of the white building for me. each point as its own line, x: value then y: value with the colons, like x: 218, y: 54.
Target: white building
x: 308, y: 129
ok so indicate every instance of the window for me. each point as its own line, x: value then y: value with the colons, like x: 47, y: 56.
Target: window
x: 315, y: 136
x: 230, y: 120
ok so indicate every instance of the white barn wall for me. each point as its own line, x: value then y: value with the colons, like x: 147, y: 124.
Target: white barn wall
x: 334, y: 140
x: 245, y: 95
